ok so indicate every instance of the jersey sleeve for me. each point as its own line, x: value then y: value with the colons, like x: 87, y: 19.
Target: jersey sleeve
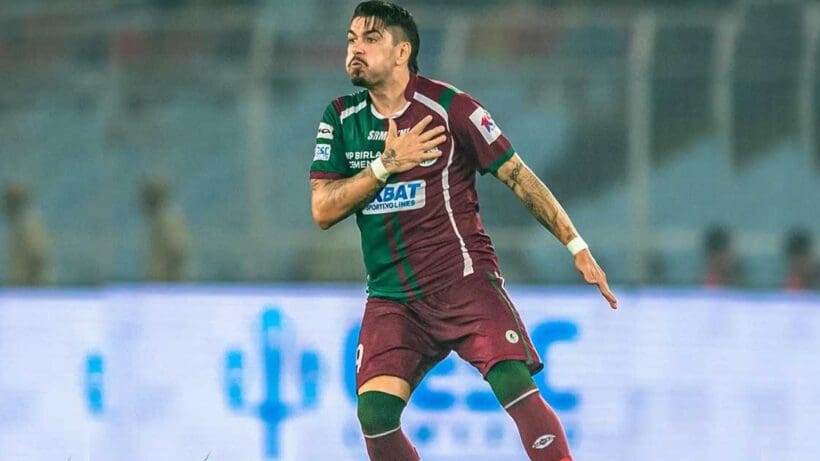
x: 478, y: 135
x: 328, y: 156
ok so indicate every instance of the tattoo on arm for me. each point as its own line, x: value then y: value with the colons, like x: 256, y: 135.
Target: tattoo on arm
x: 367, y: 172
x: 390, y: 158
x: 515, y: 173
x: 336, y: 193
x: 539, y: 200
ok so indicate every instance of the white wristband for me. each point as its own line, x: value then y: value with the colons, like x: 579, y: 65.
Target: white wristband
x: 577, y: 245
x: 379, y: 170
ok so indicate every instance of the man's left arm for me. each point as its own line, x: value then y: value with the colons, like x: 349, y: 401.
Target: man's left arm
x: 543, y: 205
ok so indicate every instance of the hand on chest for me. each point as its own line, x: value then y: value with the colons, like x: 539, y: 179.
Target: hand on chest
x: 367, y: 142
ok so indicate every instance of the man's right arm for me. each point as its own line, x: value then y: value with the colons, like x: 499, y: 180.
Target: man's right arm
x: 332, y: 200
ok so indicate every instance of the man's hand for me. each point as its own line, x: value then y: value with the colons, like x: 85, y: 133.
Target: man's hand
x: 405, y: 152
x: 594, y: 275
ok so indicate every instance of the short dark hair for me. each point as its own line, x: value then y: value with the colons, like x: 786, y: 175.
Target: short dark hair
x: 391, y: 15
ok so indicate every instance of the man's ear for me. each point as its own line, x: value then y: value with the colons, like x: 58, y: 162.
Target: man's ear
x: 405, y: 50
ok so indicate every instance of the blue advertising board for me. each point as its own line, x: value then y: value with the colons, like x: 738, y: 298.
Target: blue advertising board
x: 178, y: 373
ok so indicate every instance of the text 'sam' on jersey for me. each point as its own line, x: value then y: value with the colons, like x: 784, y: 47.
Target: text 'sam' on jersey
x: 422, y: 231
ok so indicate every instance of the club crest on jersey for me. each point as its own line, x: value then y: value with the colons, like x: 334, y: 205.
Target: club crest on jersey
x: 485, y: 125
x: 325, y: 131
x: 400, y: 196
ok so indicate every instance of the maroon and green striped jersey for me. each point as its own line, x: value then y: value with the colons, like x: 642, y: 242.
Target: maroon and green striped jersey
x: 422, y: 231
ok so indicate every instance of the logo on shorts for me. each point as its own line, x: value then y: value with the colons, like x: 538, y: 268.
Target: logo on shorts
x: 543, y: 442
x: 512, y: 336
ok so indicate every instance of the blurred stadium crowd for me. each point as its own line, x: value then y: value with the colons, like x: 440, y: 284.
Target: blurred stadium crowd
x: 169, y: 140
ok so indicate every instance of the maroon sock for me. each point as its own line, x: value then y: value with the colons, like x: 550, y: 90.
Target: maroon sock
x: 539, y: 427
x: 392, y: 446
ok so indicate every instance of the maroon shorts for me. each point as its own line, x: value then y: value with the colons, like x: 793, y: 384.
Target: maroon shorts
x: 473, y: 317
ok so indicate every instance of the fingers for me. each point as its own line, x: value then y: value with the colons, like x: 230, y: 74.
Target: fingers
x: 607, y: 293
x: 391, y: 128
x: 429, y: 134
x: 594, y: 275
x: 433, y: 143
x: 429, y: 155
x: 420, y: 126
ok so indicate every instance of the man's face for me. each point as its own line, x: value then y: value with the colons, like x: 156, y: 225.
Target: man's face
x: 372, y: 52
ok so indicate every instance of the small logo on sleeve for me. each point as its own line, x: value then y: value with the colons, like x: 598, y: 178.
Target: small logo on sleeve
x: 325, y: 131
x: 485, y: 125
x: 401, y: 196
x: 322, y: 152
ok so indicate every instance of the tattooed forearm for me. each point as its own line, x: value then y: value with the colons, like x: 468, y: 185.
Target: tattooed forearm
x: 334, y: 200
x: 537, y: 210
x: 370, y: 194
x: 515, y: 173
x: 335, y: 191
x: 538, y: 199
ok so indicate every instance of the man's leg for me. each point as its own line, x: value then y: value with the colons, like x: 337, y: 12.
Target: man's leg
x: 381, y: 401
x: 538, y: 425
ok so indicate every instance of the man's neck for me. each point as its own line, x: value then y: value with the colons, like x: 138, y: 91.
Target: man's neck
x: 388, y: 98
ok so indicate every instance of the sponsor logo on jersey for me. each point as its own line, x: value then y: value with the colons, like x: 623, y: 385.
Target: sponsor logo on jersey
x: 360, y: 159
x: 485, y: 125
x: 432, y: 160
x: 325, y: 131
x: 543, y: 442
x: 382, y: 135
x: 400, y: 196
x: 322, y: 152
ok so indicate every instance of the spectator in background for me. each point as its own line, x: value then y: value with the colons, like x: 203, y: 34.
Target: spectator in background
x: 167, y: 234
x: 27, y: 240
x: 803, y: 269
x: 722, y: 265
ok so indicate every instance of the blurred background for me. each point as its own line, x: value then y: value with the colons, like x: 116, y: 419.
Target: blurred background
x: 682, y: 136
x: 146, y: 141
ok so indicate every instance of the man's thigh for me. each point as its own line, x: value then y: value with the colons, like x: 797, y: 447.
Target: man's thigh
x: 393, y: 342
x: 487, y: 325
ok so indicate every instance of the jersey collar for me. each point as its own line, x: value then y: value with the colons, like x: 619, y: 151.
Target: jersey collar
x: 409, y: 93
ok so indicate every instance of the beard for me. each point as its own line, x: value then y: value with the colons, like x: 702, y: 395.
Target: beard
x: 359, y: 80
x: 358, y: 76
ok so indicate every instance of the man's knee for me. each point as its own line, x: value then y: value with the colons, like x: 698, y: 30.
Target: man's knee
x: 379, y: 412
x: 509, y: 380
